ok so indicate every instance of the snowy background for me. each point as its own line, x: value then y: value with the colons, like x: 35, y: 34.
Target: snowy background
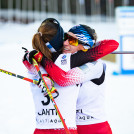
x: 16, y: 104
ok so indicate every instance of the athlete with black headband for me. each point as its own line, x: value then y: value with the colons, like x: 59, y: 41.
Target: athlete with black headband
x: 47, y: 120
x: 90, y: 52
x: 67, y: 78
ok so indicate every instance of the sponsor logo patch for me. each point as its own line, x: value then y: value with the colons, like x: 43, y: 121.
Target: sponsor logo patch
x: 63, y: 62
x: 64, y: 56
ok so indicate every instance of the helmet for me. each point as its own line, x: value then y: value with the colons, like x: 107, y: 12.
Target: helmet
x: 84, y: 33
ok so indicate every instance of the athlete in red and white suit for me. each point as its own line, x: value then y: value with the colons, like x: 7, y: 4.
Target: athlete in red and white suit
x: 90, y: 116
x: 47, y: 120
x: 90, y: 72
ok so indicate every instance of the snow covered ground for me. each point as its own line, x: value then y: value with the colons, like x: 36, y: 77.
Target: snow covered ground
x: 16, y: 104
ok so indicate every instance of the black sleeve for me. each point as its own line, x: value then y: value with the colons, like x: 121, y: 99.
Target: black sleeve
x: 81, y: 58
x: 105, y: 47
x: 55, y: 55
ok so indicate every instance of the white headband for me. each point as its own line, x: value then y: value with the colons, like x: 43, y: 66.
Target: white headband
x: 50, y: 47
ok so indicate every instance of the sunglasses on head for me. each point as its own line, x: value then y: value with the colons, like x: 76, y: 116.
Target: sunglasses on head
x: 50, y: 20
x: 74, y: 41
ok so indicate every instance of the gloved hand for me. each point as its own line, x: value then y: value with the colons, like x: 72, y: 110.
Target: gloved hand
x: 49, y: 83
x: 29, y: 66
x: 34, y: 54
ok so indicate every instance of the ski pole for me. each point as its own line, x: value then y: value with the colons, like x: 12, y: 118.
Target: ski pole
x: 122, y: 52
x: 53, y: 89
x: 19, y: 76
x: 50, y: 95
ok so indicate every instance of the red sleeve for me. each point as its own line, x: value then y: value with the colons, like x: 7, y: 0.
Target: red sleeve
x: 74, y: 76
x: 62, y: 78
x: 30, y: 67
x: 104, y: 47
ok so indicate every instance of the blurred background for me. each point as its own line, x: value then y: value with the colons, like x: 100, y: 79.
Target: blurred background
x: 26, y: 11
x: 19, y: 21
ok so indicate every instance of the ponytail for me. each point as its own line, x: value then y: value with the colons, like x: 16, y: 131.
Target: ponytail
x: 39, y: 45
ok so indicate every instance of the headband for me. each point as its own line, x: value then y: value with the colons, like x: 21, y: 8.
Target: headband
x: 57, y: 40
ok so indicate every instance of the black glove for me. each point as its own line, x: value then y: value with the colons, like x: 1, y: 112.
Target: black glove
x: 31, y: 55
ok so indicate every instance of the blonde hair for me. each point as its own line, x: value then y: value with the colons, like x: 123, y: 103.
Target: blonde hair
x: 46, y: 32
